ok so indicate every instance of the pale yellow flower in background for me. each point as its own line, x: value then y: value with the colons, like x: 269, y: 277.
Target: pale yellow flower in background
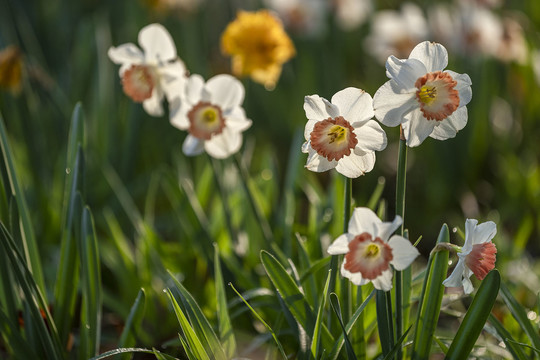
x: 258, y: 46
x: 11, y: 65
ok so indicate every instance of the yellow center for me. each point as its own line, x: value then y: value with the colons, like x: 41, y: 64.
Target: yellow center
x: 372, y: 250
x: 337, y: 134
x: 209, y: 116
x: 427, y: 94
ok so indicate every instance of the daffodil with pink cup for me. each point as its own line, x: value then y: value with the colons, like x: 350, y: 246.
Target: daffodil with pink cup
x: 341, y: 134
x: 370, y: 250
x: 422, y: 97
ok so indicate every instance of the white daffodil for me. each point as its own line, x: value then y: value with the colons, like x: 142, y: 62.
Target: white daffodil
x: 212, y: 113
x: 422, y: 97
x: 477, y: 256
x: 341, y: 134
x: 369, y: 252
x: 147, y: 75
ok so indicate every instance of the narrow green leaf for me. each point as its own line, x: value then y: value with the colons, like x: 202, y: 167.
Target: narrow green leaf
x: 334, y: 301
x: 202, y: 327
x: 9, y: 330
x: 133, y: 321
x: 341, y: 340
x: 476, y: 317
x: 263, y: 322
x: 130, y: 350
x: 505, y: 335
x: 384, y: 320
x: 398, y: 344
x: 293, y: 298
x: 91, y: 288
x: 195, y: 344
x: 187, y: 349
x: 519, y: 313
x: 431, y: 298
x: 226, y: 332
x: 316, y: 344
x: 29, y: 245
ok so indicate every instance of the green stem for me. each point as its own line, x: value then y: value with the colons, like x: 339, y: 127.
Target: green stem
x: 345, y: 283
x: 400, y: 210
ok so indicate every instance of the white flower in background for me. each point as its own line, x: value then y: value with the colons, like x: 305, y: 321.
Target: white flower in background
x: 512, y: 46
x: 396, y: 32
x: 306, y: 17
x: 477, y: 256
x: 422, y: 97
x: 212, y: 113
x: 350, y: 14
x: 146, y: 75
x: 535, y: 59
x: 369, y: 250
x: 341, y: 134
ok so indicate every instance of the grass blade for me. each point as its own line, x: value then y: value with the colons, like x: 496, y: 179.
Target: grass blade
x: 431, y: 298
x: 334, y: 301
x: 384, y: 320
x: 226, y: 333
x: 476, y: 317
x: 316, y: 344
x: 133, y: 321
x: 505, y: 335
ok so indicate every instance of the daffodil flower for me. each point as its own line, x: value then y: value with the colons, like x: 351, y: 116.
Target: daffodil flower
x: 370, y: 252
x: 477, y: 256
x: 341, y: 134
x: 147, y: 75
x: 422, y: 97
x: 212, y: 113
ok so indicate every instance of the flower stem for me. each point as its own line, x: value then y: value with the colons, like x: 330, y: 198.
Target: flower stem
x: 400, y: 302
x: 345, y: 283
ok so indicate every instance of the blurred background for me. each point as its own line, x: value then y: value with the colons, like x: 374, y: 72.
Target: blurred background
x: 139, y: 185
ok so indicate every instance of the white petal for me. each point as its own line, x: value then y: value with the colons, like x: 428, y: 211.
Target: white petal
x: 340, y: 245
x: 178, y: 113
x: 417, y: 128
x: 355, y: 278
x: 192, y: 146
x: 309, y: 128
x: 454, y: 280
x: 363, y: 220
x: 235, y: 119
x: 449, y: 127
x: 224, y: 144
x: 173, y: 79
x: 404, y: 73
x: 354, y: 165
x: 194, y: 88
x: 433, y: 55
x: 318, y: 163
x: 463, y: 86
x: 391, y: 106
x: 354, y: 104
x: 385, y: 229
x: 383, y: 281
x: 404, y: 252
x: 484, y: 232
x: 126, y: 54
x: 318, y: 108
x: 466, y: 282
x: 226, y: 91
x: 153, y: 105
x: 306, y: 147
x: 370, y: 136
x: 470, y: 225
x: 157, y: 44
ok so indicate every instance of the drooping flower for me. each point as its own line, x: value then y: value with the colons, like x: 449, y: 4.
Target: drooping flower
x: 147, y: 75
x: 369, y: 250
x: 212, y: 113
x: 258, y: 46
x: 341, y: 134
x: 477, y: 256
x: 422, y: 97
x: 11, y: 65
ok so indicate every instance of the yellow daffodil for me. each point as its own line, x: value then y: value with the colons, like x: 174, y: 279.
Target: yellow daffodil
x: 258, y: 46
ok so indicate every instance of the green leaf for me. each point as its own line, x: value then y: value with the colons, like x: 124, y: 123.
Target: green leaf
x: 519, y: 313
x: 293, y: 298
x: 200, y: 324
x: 29, y: 245
x: 14, y: 339
x: 384, y: 320
x: 397, y: 346
x: 226, y: 333
x: 130, y: 350
x: 431, y: 298
x: 91, y: 288
x: 316, y: 344
x: 334, y: 301
x: 133, y: 321
x: 195, y: 344
x: 476, y: 317
x: 505, y: 335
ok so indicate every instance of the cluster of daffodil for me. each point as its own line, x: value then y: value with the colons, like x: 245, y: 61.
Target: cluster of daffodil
x: 425, y: 100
